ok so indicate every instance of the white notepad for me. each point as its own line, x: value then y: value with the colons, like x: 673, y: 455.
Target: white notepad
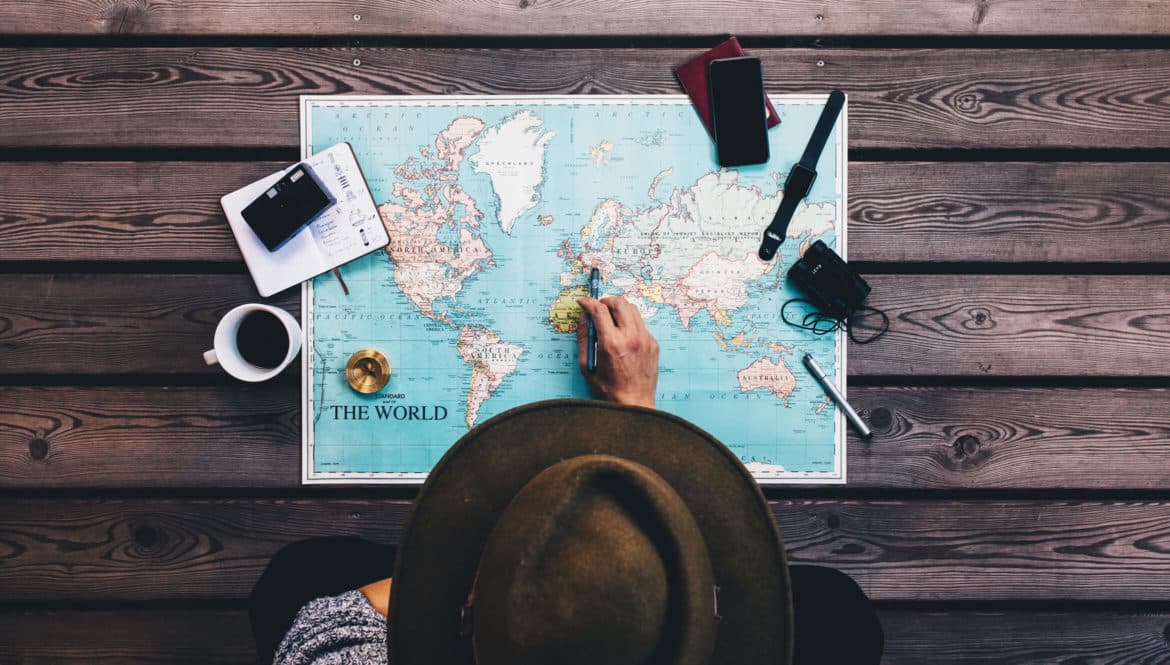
x: 348, y: 230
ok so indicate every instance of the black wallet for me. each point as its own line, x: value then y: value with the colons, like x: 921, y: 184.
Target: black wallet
x: 830, y: 284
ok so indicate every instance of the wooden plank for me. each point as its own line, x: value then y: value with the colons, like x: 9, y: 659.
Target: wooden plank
x: 146, y: 549
x: 913, y: 637
x: 941, y: 325
x: 242, y: 98
x: 925, y: 438
x: 1034, y: 438
x: 902, y: 211
x: 120, y: 211
x: 141, y: 549
x: 1009, y: 325
x: 1008, y: 212
x: 117, y: 324
x: 985, y: 550
x: 559, y: 18
x: 237, y: 436
x: 131, y: 637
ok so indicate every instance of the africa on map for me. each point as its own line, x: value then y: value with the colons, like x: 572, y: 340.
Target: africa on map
x: 497, y: 207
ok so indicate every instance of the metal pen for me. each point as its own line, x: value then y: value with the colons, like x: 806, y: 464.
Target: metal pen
x: 836, y: 396
x: 591, y: 345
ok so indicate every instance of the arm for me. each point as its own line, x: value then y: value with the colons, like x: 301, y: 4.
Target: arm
x: 627, y: 354
x: 378, y: 593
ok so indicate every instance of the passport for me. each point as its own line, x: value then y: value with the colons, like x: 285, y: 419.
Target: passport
x: 693, y: 76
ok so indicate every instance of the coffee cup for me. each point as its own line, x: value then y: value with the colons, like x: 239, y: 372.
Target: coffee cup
x: 227, y: 350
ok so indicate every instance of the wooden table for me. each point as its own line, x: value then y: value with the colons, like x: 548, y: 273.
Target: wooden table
x: 1010, y: 206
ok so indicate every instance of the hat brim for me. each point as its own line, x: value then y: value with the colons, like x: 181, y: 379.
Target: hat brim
x: 471, y: 485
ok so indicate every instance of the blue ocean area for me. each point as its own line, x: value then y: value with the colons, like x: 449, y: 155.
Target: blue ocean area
x: 511, y: 298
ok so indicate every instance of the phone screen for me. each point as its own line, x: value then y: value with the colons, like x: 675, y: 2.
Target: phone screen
x: 738, y: 112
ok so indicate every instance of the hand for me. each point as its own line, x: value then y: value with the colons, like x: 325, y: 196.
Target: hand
x: 378, y: 593
x: 627, y: 354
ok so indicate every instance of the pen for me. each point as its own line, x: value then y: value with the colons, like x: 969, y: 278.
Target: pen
x: 836, y: 396
x: 337, y: 274
x: 591, y: 346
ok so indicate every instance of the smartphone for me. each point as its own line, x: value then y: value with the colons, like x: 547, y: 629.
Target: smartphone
x: 738, y: 110
x: 287, y: 207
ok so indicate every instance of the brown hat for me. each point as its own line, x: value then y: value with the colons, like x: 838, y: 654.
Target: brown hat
x: 571, y: 531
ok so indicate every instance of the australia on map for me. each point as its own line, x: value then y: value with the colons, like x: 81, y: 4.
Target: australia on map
x: 497, y: 208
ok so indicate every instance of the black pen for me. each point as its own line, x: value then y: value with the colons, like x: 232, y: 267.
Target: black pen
x: 591, y: 347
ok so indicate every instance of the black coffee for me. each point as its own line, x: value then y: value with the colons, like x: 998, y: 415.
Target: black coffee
x: 262, y: 340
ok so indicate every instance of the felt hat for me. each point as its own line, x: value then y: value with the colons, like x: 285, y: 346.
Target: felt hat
x: 575, y: 531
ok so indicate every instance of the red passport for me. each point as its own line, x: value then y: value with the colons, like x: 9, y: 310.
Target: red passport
x: 693, y: 76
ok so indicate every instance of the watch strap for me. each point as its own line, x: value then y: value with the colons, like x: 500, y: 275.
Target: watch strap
x: 820, y: 135
x: 774, y: 234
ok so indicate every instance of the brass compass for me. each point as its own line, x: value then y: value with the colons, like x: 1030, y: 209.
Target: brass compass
x: 367, y: 371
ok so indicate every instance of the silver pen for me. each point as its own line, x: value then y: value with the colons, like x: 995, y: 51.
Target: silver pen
x: 836, y: 396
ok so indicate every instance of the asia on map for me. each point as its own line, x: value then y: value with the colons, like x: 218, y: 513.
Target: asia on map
x: 497, y: 207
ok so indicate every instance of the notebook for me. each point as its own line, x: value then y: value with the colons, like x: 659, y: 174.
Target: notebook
x: 350, y: 229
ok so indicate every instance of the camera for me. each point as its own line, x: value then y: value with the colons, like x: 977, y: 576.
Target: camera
x: 831, y: 285
x: 287, y: 206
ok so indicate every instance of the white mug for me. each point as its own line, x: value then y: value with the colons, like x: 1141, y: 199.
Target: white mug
x: 227, y: 354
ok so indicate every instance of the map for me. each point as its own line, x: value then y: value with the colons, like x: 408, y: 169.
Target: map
x: 497, y: 208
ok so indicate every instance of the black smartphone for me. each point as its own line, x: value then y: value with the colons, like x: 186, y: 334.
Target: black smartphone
x: 738, y: 111
x: 286, y: 207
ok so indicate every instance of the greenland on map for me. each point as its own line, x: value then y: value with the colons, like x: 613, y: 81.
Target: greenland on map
x: 497, y: 207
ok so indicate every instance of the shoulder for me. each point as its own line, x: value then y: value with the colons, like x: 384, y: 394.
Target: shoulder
x: 335, y: 630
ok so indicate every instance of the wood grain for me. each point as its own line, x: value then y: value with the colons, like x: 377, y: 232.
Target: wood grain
x: 247, y: 97
x: 941, y: 325
x: 117, y: 324
x: 948, y: 438
x: 120, y: 211
x: 925, y: 438
x: 233, y: 436
x: 166, y: 549
x: 913, y: 637
x: 545, y: 18
x: 899, y: 211
x: 139, y: 549
x: 1018, y: 638
x: 130, y: 637
x: 1009, y: 325
x: 986, y: 550
x: 1009, y: 212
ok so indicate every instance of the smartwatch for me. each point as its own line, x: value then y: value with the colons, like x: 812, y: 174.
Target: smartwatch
x: 801, y: 177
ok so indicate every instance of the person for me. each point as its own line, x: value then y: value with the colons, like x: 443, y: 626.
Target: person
x: 571, y: 531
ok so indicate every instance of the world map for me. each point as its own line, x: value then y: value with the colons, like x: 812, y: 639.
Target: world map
x: 497, y: 208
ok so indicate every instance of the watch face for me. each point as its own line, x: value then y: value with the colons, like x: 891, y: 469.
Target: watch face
x: 800, y: 181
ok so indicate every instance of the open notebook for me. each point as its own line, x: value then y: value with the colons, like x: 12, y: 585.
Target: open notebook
x: 349, y: 229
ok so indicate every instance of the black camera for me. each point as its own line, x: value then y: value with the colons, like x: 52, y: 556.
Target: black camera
x: 286, y: 207
x: 831, y: 285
